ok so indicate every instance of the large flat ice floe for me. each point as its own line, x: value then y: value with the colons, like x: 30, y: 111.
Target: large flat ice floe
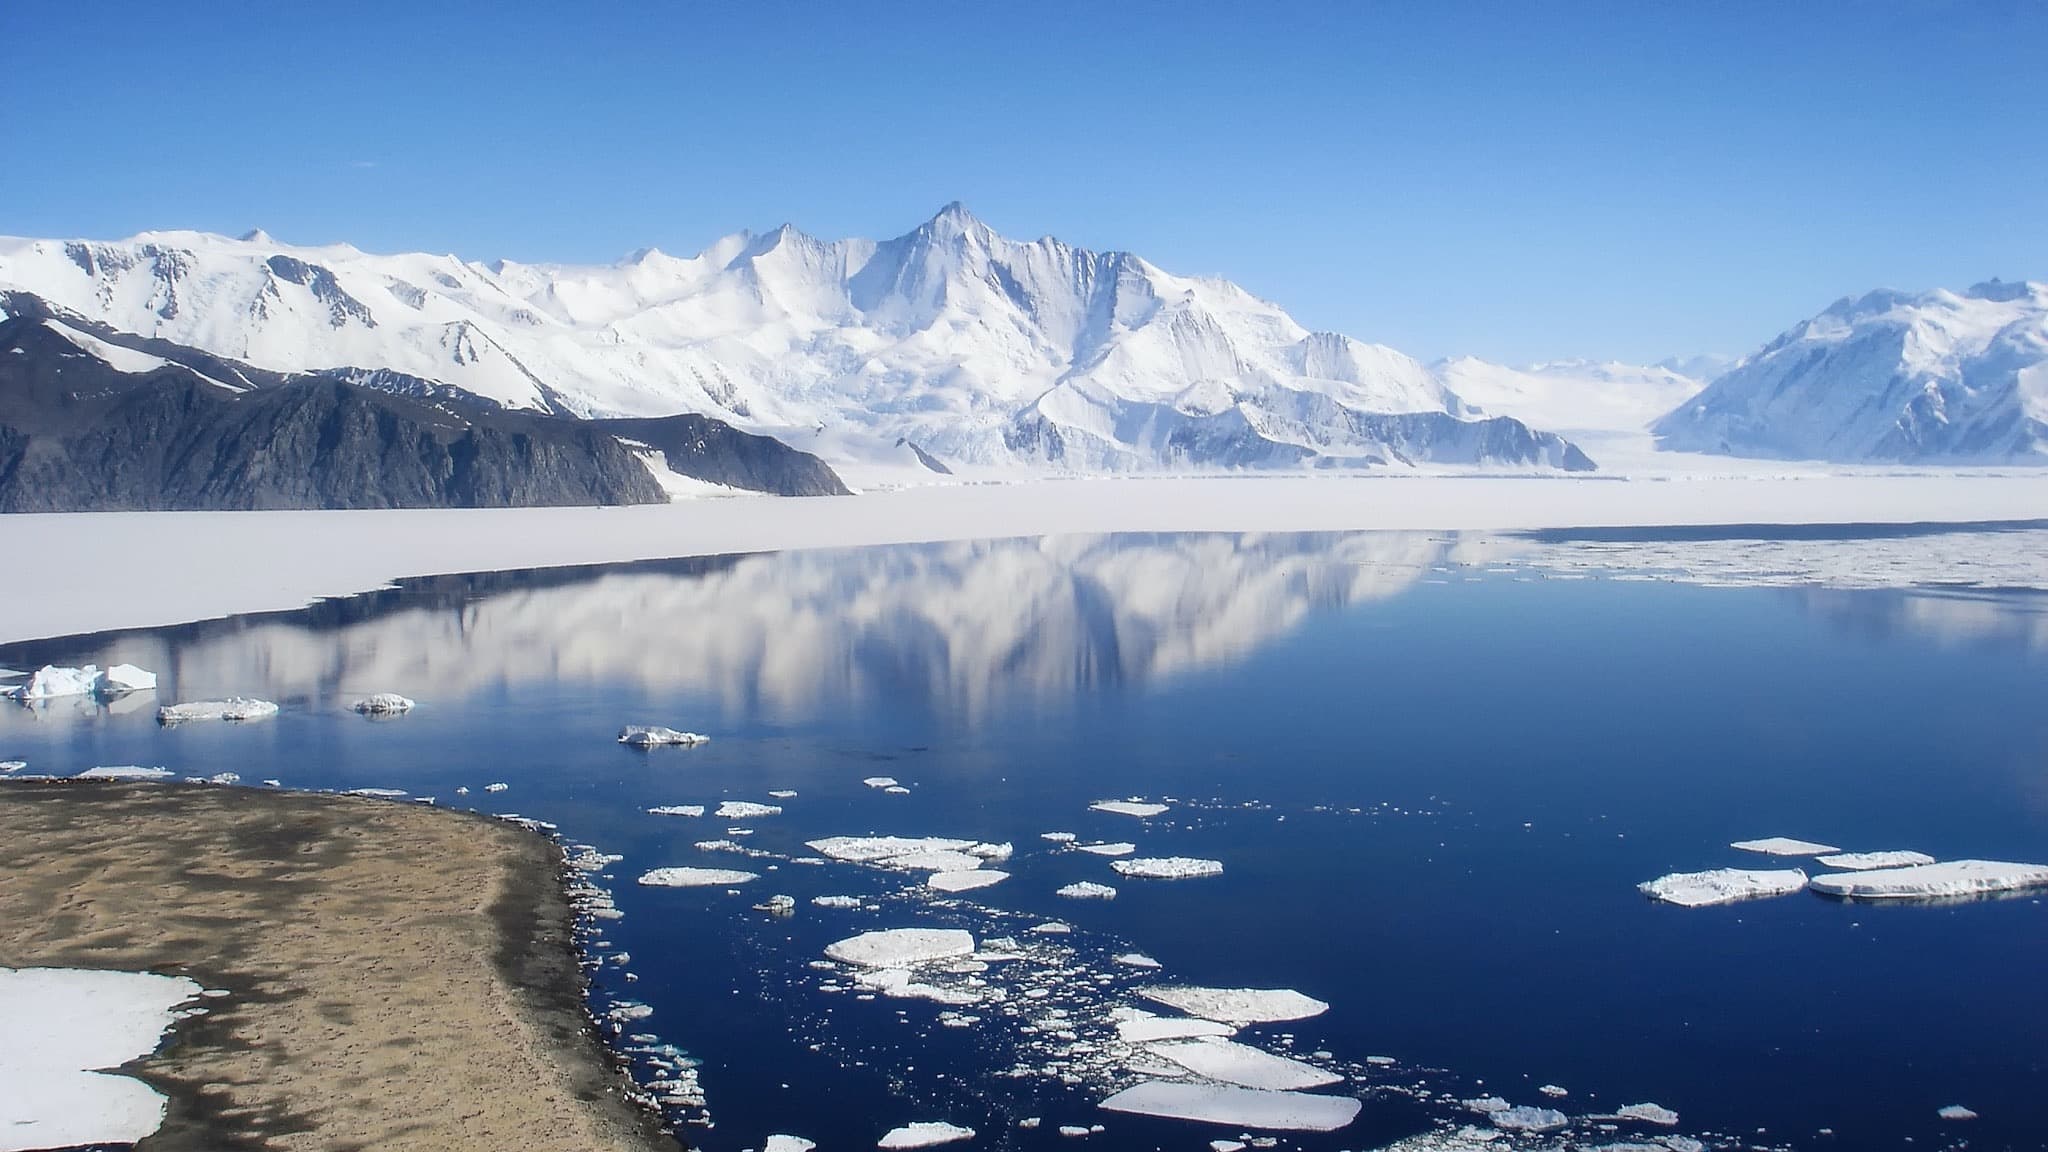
x: 1138, y: 808
x: 1783, y: 846
x: 875, y: 849
x: 1950, y: 879
x: 1214, y: 1058
x: 236, y: 708
x: 965, y: 880
x: 1255, y: 1108
x: 696, y: 877
x: 1237, y: 1005
x: 924, y: 1134
x: 902, y: 947
x: 656, y: 736
x: 1864, y: 861
x: 63, y: 1023
x: 1722, y: 886
x: 1167, y: 867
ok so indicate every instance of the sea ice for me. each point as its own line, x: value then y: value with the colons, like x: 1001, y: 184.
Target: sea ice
x: 656, y: 736
x: 924, y: 1134
x: 1237, y: 1005
x: 781, y: 794
x: 1933, y: 881
x: 1108, y: 849
x: 696, y: 877
x: 12, y: 765
x: 377, y: 793
x: 1523, y: 1118
x: 1236, y: 1107
x: 1137, y: 960
x: 125, y: 772
x: 1955, y: 1112
x: 63, y: 1023
x: 383, y: 704
x: 1168, y: 867
x: 1137, y: 1026
x: 125, y: 678
x: 500, y: 787
x: 836, y: 901
x: 1784, y: 846
x: 880, y: 782
x: 1214, y: 1058
x: 1647, y: 1114
x: 874, y: 849
x: 1721, y: 886
x: 233, y: 708
x: 902, y: 947
x: 780, y: 1143
x: 1138, y: 808
x: 965, y: 880
x: 50, y: 681
x: 746, y: 810
x: 1058, y: 837
x: 677, y: 810
x: 1087, y: 890
x: 1864, y: 861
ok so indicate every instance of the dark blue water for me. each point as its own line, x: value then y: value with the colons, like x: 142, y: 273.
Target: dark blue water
x: 1433, y: 802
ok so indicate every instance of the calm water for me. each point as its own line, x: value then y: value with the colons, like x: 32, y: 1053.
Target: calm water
x: 1434, y: 775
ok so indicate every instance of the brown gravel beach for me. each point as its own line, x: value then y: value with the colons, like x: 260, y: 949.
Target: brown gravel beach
x: 401, y: 976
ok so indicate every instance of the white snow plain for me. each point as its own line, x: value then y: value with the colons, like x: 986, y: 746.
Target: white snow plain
x: 62, y: 1025
x: 1722, y: 886
x: 1236, y: 1107
x: 1947, y: 880
x: 234, y: 708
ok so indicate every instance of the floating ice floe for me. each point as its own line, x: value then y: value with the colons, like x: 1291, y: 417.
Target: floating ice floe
x: 902, y: 947
x: 836, y: 901
x: 1086, y: 890
x: 881, y: 782
x: 1955, y: 1112
x: 233, y: 708
x: 1138, y: 808
x: 965, y: 880
x: 746, y: 810
x: 1784, y: 846
x: 1168, y: 867
x: 61, y: 1025
x: 1953, y: 878
x: 1647, y: 1114
x: 1236, y: 1107
x: 924, y: 1134
x: 1237, y: 1005
x: 12, y: 765
x: 1721, y: 886
x: 1214, y: 1058
x: 696, y: 877
x: 125, y: 772
x: 1058, y: 837
x: 383, y: 704
x: 656, y: 736
x: 494, y: 787
x: 1137, y: 1026
x: 1137, y: 960
x: 1864, y: 861
x: 875, y: 849
x: 51, y: 681
x: 778, y: 905
x: 1108, y: 849
x: 782, y: 793
x: 677, y: 810
x: 1523, y: 1118
x: 781, y: 1143
x: 1555, y: 1092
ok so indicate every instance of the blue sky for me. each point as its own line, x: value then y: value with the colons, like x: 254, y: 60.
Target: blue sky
x: 1515, y: 180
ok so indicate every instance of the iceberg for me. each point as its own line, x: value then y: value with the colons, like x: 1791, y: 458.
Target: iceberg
x: 746, y: 810
x: 500, y: 787
x: 966, y: 879
x: 1086, y: 890
x: 1784, y: 846
x: 1721, y: 886
x: 696, y: 877
x: 656, y: 736
x: 1108, y: 849
x: 677, y: 810
x: 924, y: 1134
x: 1168, y: 867
x: 836, y: 901
x: 1214, y: 1058
x: 51, y: 681
x: 1955, y: 1112
x: 1237, y: 1005
x: 1954, y: 878
x: 1256, y: 1108
x: 1138, y: 808
x: 125, y: 678
x: 125, y: 772
x: 1647, y: 1114
x: 782, y: 794
x: 233, y: 708
x: 1864, y: 861
x: 1058, y: 837
x: 12, y: 765
x: 383, y: 704
x: 902, y: 947
x: 1523, y: 1118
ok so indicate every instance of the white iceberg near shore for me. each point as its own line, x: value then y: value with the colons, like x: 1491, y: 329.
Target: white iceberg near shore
x: 1138, y: 808
x: 1227, y: 1061
x: 1237, y: 1005
x: 125, y: 772
x: 783, y: 1143
x: 1783, y: 846
x: 881, y: 782
x: 383, y: 704
x: 1864, y: 861
x: 126, y: 678
x: 51, y: 681
x: 1168, y: 867
x: 234, y: 708
x: 1255, y: 1108
x: 696, y: 877
x: 656, y: 736
x: 1953, y: 878
x: 902, y: 947
x: 924, y: 1134
x: 1721, y: 886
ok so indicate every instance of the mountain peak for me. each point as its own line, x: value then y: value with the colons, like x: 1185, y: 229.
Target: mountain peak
x: 256, y: 236
x: 955, y: 220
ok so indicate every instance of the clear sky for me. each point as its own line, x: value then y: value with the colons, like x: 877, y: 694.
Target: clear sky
x: 1518, y: 180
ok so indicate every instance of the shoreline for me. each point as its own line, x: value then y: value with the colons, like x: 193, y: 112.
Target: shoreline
x: 112, y: 571
x: 372, y: 1002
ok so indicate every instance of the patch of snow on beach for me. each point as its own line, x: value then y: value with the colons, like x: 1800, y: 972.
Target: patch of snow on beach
x: 61, y: 1025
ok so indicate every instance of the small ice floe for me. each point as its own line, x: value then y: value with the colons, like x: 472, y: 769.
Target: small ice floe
x: 1227, y: 1061
x: 782, y: 794
x: 495, y: 787
x: 1237, y: 1005
x: 1168, y: 867
x: 881, y: 782
x: 1108, y: 849
x: 1001, y: 851
x: 875, y: 849
x: 1052, y: 928
x: 225, y: 778
x: 1256, y: 1108
x: 781, y: 1143
x: 777, y: 905
x: 1955, y: 1112
x: 1865, y: 861
x: 1953, y: 878
x: 1647, y: 1114
x: 902, y: 947
x: 1226, y: 1146
x: 656, y: 736
x: 1553, y: 1091
x: 1137, y: 1026
x: 63, y: 1025
x: 1133, y: 807
x: 1486, y: 1105
x: 924, y: 1134
x: 51, y: 681
x: 1137, y: 960
x: 677, y: 810
x: 965, y: 880
x: 1058, y: 837
x: 1721, y: 886
x: 125, y: 772
x: 696, y: 877
x: 836, y: 901
x: 235, y: 708
x: 7, y: 766
x: 1086, y: 890
x: 746, y: 810
x: 1523, y: 1118
x: 1784, y: 846
x: 383, y: 704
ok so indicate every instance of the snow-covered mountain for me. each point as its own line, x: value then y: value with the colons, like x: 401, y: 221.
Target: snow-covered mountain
x: 1937, y: 376
x: 950, y: 339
